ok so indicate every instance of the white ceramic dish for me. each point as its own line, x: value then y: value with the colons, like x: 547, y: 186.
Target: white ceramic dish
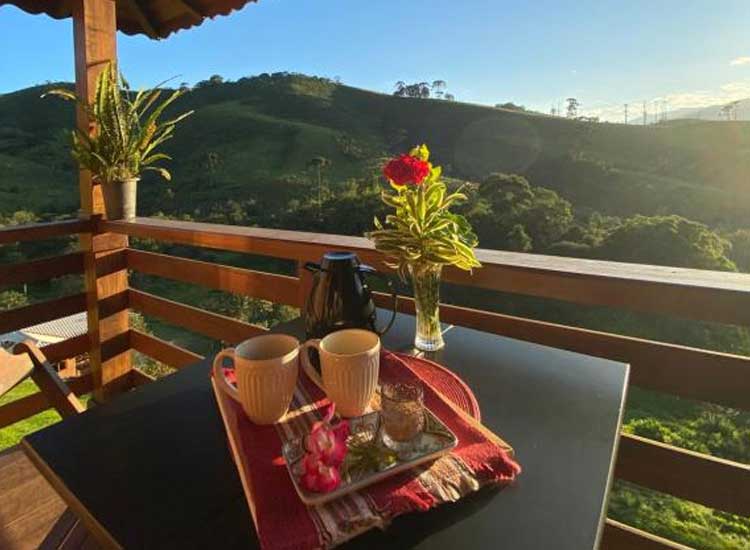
x: 435, y: 441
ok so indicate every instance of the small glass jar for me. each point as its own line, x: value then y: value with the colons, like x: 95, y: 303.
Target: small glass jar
x: 402, y: 413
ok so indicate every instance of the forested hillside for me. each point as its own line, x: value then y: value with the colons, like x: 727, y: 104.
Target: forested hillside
x: 299, y: 152
x: 258, y: 130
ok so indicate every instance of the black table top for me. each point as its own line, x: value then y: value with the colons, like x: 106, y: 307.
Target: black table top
x: 152, y: 468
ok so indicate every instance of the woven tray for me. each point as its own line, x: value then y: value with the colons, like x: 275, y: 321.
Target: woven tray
x: 281, y: 518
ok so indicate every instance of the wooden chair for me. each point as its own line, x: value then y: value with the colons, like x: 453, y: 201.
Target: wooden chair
x: 29, y: 361
x: 42, y: 508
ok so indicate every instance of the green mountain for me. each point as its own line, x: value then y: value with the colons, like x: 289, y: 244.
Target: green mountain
x: 262, y: 132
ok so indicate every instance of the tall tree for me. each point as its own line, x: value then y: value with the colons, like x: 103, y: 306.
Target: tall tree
x: 438, y: 88
x: 572, y: 109
x: 319, y: 164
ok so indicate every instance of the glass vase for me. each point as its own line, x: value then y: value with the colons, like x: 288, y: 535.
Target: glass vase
x: 425, y: 279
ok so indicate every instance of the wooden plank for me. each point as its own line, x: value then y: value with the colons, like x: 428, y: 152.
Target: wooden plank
x: 32, y: 404
x: 34, y: 314
x: 213, y: 325
x: 106, y: 282
x: 13, y: 370
x: 113, y: 304
x: 689, y: 293
x: 140, y: 378
x: 280, y: 289
x: 162, y: 351
x: 55, y: 391
x: 143, y: 19
x: 618, y: 536
x: 41, y: 270
x: 113, y: 262
x: 114, y: 347
x: 29, y: 506
x: 41, y: 231
x: 72, y: 347
x: 713, y: 482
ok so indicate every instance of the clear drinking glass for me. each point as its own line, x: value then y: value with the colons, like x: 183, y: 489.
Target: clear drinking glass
x: 402, y: 413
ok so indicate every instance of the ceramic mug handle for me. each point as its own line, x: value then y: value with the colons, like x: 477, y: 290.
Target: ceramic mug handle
x: 221, y: 380
x: 307, y: 365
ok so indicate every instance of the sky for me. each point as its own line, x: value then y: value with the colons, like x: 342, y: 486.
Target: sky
x: 688, y: 53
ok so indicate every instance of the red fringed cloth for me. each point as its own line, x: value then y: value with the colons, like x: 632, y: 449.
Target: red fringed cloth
x: 283, y: 522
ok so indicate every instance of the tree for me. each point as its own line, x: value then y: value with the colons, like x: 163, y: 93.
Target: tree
x: 438, y: 88
x: 419, y: 90
x: 319, y: 164
x: 666, y: 240
x: 740, y: 253
x: 212, y: 166
x: 214, y: 80
x: 518, y: 215
x: 508, y: 194
x: 11, y: 299
x: 510, y: 106
x: 450, y: 97
x: 518, y: 240
x: 572, y: 109
x: 548, y: 218
x: 729, y: 111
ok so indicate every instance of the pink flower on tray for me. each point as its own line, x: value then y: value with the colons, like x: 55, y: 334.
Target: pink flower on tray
x: 326, y: 450
x: 328, y: 442
x: 317, y: 476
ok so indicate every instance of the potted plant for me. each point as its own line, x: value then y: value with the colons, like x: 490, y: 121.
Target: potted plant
x: 126, y: 137
x: 423, y: 235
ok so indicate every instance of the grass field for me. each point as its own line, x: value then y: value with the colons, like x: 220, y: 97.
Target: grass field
x: 13, y: 434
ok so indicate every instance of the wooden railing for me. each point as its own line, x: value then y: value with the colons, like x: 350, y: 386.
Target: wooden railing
x: 668, y: 368
x: 22, y: 317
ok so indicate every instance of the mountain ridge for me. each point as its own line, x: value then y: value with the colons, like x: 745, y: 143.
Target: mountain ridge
x: 264, y: 129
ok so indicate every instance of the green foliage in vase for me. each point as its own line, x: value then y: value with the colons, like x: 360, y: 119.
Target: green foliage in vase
x: 422, y: 229
x: 128, y: 129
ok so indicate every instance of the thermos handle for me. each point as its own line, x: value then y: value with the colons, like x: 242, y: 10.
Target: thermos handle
x: 394, y: 296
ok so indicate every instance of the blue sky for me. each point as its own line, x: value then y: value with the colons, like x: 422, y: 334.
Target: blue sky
x: 535, y: 53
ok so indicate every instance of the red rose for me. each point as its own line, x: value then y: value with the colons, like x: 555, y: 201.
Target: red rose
x: 407, y: 169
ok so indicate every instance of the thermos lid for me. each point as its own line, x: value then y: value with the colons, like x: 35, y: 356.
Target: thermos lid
x: 339, y: 256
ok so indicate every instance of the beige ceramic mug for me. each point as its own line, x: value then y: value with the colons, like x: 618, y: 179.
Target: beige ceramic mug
x: 266, y: 369
x: 350, y: 365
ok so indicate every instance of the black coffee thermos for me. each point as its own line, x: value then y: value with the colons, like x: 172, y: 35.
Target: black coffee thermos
x: 340, y: 297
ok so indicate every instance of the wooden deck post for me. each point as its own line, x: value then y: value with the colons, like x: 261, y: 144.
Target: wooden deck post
x: 94, y: 31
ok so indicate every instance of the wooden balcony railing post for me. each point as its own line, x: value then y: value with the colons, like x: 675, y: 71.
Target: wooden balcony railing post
x: 305, y: 284
x: 94, y: 30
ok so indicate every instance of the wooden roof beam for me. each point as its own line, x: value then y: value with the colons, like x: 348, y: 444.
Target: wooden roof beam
x: 143, y: 19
